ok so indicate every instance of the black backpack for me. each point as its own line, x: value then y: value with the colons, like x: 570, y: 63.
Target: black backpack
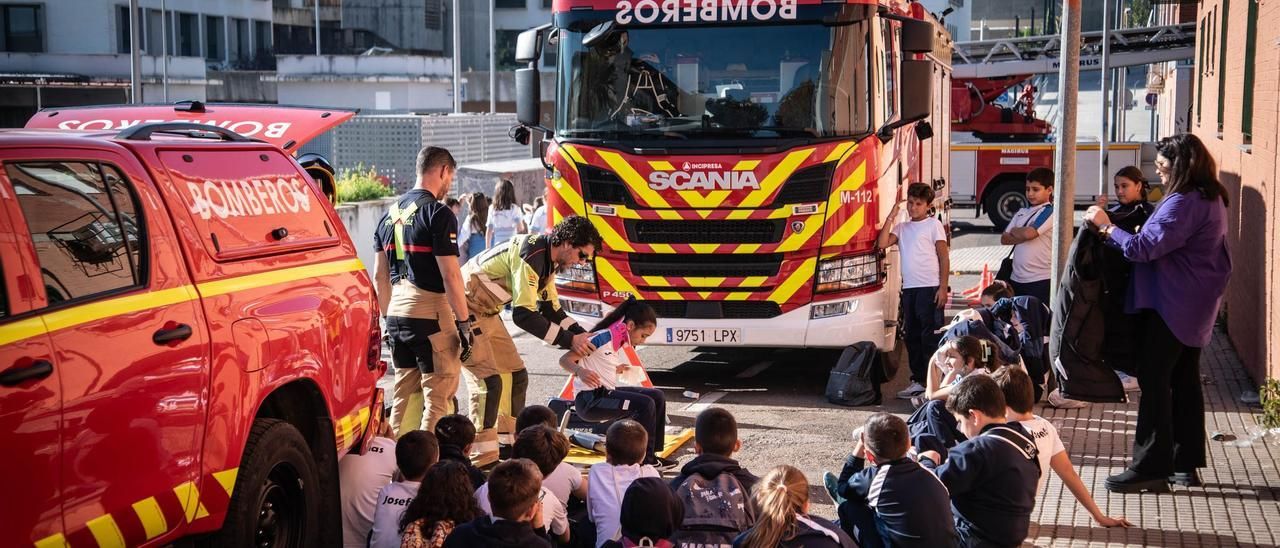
x: 715, y: 511
x: 856, y: 378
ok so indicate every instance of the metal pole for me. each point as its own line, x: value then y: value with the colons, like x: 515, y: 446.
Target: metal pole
x: 1106, y: 82
x: 164, y: 50
x: 457, y: 62
x: 317, y: 5
x: 493, y: 64
x: 135, y: 55
x: 1064, y: 162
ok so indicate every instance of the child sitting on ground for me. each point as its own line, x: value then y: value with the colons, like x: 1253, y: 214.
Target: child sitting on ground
x: 783, y: 499
x: 625, y: 445
x: 514, y: 489
x: 360, y: 478
x: 456, y: 433
x: 932, y: 428
x: 650, y: 514
x: 546, y: 448
x: 992, y: 475
x: 415, y: 452
x: 1016, y: 386
x: 565, y: 481
x: 714, y: 489
x: 448, y: 503
x: 895, y: 501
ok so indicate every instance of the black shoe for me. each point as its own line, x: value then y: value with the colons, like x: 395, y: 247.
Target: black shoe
x: 1186, y: 479
x: 1133, y: 482
x: 663, y: 464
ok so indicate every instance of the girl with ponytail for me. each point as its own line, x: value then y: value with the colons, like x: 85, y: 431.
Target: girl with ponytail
x: 597, y: 395
x: 783, y: 520
x: 956, y: 359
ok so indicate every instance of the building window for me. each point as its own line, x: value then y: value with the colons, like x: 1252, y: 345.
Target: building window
x: 434, y: 14
x: 215, y: 38
x: 188, y: 35
x: 238, y: 41
x: 546, y: 4
x: 122, y: 28
x: 153, y: 29
x: 1222, y: 62
x: 504, y: 47
x: 1250, y: 59
x: 262, y: 37
x: 23, y: 29
x: 1204, y: 41
x: 508, y: 4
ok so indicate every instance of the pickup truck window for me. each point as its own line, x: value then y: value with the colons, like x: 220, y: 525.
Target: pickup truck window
x: 85, y: 227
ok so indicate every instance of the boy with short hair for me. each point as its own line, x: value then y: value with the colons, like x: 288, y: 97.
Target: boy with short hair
x: 895, y: 501
x: 546, y: 448
x: 714, y: 475
x: 360, y: 478
x: 415, y: 452
x: 1030, y: 232
x: 535, y: 414
x: 515, y: 489
x: 1016, y: 385
x: 925, y: 260
x: 626, y: 443
x: 992, y: 475
x: 456, y: 433
x: 565, y: 481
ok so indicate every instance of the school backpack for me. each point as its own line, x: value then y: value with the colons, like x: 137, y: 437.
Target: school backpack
x: 855, y: 379
x: 715, y: 511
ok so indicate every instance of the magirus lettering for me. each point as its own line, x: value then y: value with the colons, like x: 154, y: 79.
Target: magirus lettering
x: 703, y: 180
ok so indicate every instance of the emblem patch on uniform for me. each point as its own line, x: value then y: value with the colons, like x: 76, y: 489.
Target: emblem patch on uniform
x: 533, y: 281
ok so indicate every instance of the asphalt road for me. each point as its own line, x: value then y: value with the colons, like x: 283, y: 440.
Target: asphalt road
x: 776, y: 395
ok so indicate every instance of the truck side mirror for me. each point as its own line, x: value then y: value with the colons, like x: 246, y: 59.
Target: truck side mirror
x: 917, y: 36
x: 528, y: 86
x: 915, y: 92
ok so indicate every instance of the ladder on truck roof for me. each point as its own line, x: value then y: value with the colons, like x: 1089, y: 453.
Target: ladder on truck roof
x: 1041, y: 54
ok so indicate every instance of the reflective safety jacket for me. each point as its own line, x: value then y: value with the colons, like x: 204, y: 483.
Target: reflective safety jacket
x: 520, y: 272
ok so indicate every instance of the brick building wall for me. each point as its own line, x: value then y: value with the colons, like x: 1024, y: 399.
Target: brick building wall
x: 1248, y: 166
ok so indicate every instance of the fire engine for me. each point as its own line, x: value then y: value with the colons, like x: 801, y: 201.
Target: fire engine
x: 188, y: 341
x: 738, y: 158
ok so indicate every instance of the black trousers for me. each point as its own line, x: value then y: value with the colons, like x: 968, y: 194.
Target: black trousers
x: 647, y: 406
x: 1039, y: 290
x: 920, y: 318
x: 1170, y: 435
x: 933, y: 428
x: 859, y: 521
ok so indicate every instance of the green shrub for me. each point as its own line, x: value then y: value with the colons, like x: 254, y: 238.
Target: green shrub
x: 360, y: 184
x: 1270, y: 395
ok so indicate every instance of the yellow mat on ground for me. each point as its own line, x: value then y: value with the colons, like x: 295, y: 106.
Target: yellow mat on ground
x: 585, y: 457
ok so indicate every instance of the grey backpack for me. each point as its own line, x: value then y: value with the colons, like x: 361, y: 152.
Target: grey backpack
x: 715, y: 511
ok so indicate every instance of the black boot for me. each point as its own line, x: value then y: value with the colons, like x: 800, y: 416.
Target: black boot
x: 1186, y: 479
x: 1133, y: 482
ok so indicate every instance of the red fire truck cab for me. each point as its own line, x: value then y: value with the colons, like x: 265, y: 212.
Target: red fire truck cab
x: 187, y: 340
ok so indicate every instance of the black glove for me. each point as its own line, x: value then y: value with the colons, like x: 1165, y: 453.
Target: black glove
x: 466, y: 336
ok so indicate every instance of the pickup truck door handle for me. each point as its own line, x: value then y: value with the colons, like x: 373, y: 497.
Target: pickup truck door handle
x: 180, y: 332
x: 14, y: 376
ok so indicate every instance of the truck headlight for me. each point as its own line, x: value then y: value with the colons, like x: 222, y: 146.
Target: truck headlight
x: 580, y: 277
x: 845, y: 273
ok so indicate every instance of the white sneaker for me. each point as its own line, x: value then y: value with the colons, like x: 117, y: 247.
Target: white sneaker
x: 1056, y: 399
x: 913, y: 389
x: 1130, y: 383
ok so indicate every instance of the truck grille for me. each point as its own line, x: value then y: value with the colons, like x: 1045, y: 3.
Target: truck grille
x: 807, y: 185
x: 766, y: 264
x: 705, y: 232
x: 703, y: 310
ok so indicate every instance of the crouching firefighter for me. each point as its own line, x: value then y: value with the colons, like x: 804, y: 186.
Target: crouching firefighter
x: 520, y: 272
x: 420, y: 292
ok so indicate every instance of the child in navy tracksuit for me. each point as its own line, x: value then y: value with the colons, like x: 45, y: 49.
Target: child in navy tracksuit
x: 895, y: 502
x: 991, y: 476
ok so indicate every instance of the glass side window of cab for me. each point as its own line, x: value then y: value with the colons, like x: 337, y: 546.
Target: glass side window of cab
x: 85, y: 225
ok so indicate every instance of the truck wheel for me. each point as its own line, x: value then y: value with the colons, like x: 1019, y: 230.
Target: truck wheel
x: 1003, y: 201
x: 276, y: 501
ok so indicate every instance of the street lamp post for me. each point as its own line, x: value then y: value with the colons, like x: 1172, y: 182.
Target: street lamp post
x: 1064, y: 162
x: 135, y: 55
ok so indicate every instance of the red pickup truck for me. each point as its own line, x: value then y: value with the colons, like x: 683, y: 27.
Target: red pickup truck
x: 188, y: 342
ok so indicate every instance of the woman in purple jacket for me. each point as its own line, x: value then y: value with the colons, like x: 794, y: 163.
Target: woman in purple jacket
x: 1180, y: 272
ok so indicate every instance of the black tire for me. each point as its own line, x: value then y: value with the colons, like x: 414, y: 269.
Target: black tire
x: 1003, y: 200
x: 277, y: 497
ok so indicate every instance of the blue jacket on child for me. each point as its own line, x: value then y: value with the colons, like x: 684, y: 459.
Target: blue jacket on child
x: 907, y: 505
x: 992, y: 479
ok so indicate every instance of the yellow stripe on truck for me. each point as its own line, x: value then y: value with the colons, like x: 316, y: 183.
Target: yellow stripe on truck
x: 151, y: 516
x: 798, y: 278
x: 284, y: 275
x: 775, y: 178
x: 848, y: 229
x: 615, y: 278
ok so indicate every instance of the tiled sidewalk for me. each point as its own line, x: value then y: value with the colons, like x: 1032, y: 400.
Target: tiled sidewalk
x: 1237, y: 506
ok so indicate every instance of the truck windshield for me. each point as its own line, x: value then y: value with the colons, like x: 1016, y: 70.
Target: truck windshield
x: 743, y: 81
